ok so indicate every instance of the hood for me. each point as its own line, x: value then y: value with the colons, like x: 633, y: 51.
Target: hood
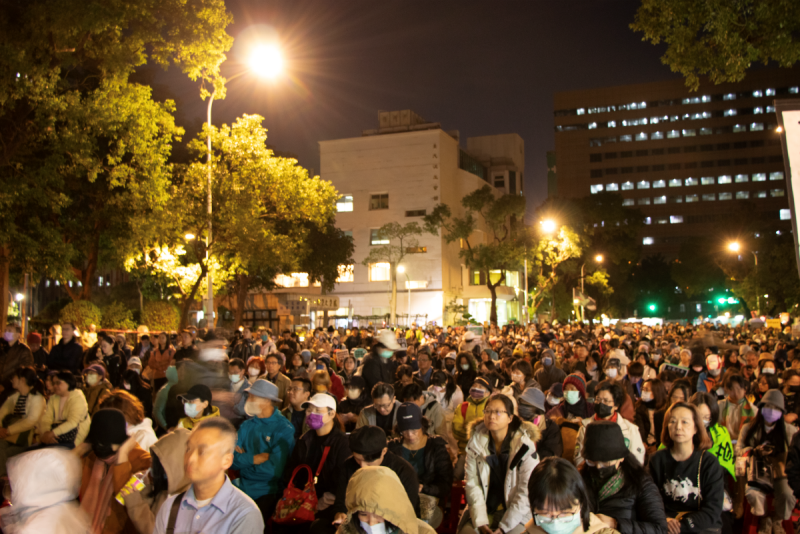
x: 428, y: 398
x: 44, y: 478
x: 169, y: 450
x: 378, y: 490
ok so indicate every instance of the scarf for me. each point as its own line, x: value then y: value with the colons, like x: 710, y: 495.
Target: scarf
x: 96, y: 502
x: 577, y: 409
x: 611, y: 487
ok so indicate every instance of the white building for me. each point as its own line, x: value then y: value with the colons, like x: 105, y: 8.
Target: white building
x: 399, y: 173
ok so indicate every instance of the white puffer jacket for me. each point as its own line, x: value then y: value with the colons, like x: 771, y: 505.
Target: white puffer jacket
x: 522, y: 459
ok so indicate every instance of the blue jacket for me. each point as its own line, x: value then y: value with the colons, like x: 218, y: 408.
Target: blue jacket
x: 273, y: 435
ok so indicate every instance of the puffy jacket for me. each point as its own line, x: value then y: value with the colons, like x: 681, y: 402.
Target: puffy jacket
x: 433, y: 411
x: 55, y: 511
x: 438, y: 477
x: 469, y: 411
x: 637, y: 506
x: 522, y: 459
x: 34, y: 408
x: 547, y: 376
x: 96, y: 394
x: 273, y: 435
x: 189, y: 423
x: 141, y: 505
x: 332, y: 470
x: 75, y: 415
x: 143, y: 433
x: 633, y: 439
x: 66, y: 357
x: 15, y: 357
x: 159, y: 361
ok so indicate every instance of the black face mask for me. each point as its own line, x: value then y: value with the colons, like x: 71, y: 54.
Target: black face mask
x: 449, y: 365
x: 794, y: 389
x: 103, y: 450
x: 602, y: 474
x: 527, y: 413
x: 602, y: 410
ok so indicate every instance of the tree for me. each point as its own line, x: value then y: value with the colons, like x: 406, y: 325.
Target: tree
x: 404, y: 235
x: 721, y: 38
x: 504, y: 246
x: 84, y: 146
x: 550, y: 253
x: 697, y: 268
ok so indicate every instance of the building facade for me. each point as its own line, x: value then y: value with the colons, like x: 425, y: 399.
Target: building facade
x: 685, y: 159
x: 399, y: 173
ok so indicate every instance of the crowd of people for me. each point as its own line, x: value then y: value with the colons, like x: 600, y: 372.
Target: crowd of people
x: 555, y: 429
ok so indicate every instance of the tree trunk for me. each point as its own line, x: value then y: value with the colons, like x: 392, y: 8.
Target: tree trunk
x: 393, y: 299
x: 493, y: 313
x: 188, y: 299
x: 243, y: 284
x: 5, y: 260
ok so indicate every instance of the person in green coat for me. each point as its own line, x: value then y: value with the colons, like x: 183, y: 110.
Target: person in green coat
x: 708, y: 407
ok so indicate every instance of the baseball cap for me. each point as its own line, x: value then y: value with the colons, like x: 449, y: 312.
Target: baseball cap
x: 197, y: 391
x: 321, y: 400
x: 409, y: 417
x: 264, y: 388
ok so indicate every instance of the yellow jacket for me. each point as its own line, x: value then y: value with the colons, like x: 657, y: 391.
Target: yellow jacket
x: 469, y: 411
x: 189, y: 423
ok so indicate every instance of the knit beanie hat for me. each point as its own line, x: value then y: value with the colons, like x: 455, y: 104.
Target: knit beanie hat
x: 604, y: 442
x: 576, y: 381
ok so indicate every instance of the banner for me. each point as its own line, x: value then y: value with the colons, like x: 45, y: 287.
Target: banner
x: 788, y: 112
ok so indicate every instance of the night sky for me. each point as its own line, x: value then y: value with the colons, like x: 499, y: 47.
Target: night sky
x: 479, y: 67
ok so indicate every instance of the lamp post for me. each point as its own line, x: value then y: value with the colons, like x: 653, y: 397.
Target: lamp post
x: 599, y: 259
x: 402, y: 270
x: 734, y: 246
x: 548, y: 227
x: 266, y: 61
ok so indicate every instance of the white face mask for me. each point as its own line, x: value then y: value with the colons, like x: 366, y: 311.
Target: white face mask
x: 254, y: 371
x: 235, y: 378
x: 647, y: 396
x: 126, y: 386
x: 353, y: 394
x: 611, y: 373
x: 92, y: 379
x: 251, y: 409
x: 380, y: 528
x: 767, y: 371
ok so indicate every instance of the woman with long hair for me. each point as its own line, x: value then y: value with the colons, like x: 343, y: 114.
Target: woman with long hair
x: 20, y: 413
x: 762, y: 384
x: 161, y: 357
x: 650, y: 410
x: 465, y: 371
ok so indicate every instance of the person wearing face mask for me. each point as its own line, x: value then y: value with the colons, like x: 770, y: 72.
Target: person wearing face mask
x: 263, y: 445
x: 255, y: 368
x: 549, y: 374
x: 443, y: 387
x: 791, y: 395
x: 110, y: 458
x: 356, y: 399
x: 650, y: 410
x: 469, y: 411
x: 374, y: 366
x: 622, y: 494
x: 197, y: 406
x: 761, y: 385
x: 607, y: 400
x: 376, y: 504
x: 163, y: 413
x: 554, y: 396
x: 531, y: 408
x: 450, y: 363
x: 764, y: 442
x: 96, y: 387
x: 614, y: 373
x: 238, y: 387
x: 766, y: 365
x: 466, y: 372
x: 383, y: 411
x: 325, y: 449
x: 710, y: 380
x: 721, y: 445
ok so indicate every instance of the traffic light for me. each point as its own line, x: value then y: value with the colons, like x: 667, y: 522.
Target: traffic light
x: 651, y: 307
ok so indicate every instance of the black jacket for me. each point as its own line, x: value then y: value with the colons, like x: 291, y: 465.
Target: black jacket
x: 551, y: 443
x: 465, y: 379
x: 438, y: 478
x: 637, y: 509
x: 375, y: 370
x: 187, y: 353
x: 308, y: 451
x: 404, y: 472
x: 793, y: 464
x: 642, y: 420
x: 66, y: 357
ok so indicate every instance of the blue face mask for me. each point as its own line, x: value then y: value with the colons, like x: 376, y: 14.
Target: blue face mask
x: 559, y: 526
x: 191, y: 410
x: 264, y: 337
x: 547, y: 361
x: 386, y: 354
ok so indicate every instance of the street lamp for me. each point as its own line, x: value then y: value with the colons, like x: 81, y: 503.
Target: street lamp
x: 599, y: 259
x: 267, y: 62
x: 19, y: 297
x: 548, y: 226
x: 189, y: 237
x: 734, y: 246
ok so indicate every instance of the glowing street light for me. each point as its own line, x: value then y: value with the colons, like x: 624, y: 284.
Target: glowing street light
x: 266, y: 61
x: 189, y: 237
x: 548, y: 226
x: 401, y: 269
x: 19, y: 297
x: 779, y: 129
x: 599, y: 258
x: 734, y: 246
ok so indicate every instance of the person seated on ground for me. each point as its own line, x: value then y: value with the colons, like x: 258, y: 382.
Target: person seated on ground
x: 721, y: 445
x: 466, y: 372
x: 521, y: 379
x: 212, y: 501
x: 166, y: 477
x: 531, y: 409
x: 688, y: 477
x: 549, y: 374
x: 376, y: 502
x: 405, y: 376
x: 735, y: 410
x: 554, y: 396
x: 370, y: 448
x: 65, y: 421
x: 428, y: 455
x: 614, y: 370
x: 429, y: 406
x: 765, y: 443
x: 608, y: 397
x: 357, y: 399
x: 263, y: 446
x: 650, y: 410
x: 471, y: 410
x: 621, y: 492
x: 383, y: 411
x: 321, y: 382
x: 96, y: 387
x: 54, y: 511
x: 138, y: 426
x: 110, y: 458
x: 336, y: 388
x: 559, y: 501
x: 501, y: 454
x: 197, y: 406
x: 761, y: 385
x: 791, y: 395
x: 238, y: 387
x: 450, y: 398
x: 324, y: 448
x: 20, y: 413
x: 297, y: 394
x: 132, y: 381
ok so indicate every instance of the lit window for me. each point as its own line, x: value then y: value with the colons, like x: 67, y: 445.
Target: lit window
x: 689, y: 133
x: 611, y: 124
x: 725, y: 196
x: 742, y: 195
x: 690, y: 181
x: 627, y: 202
x: 776, y: 192
x: 739, y: 128
x: 707, y: 180
x: 705, y: 131
x: 770, y: 109
x: 592, y: 125
x: 657, y: 135
x: 292, y: 280
x: 379, y: 201
x: 756, y: 126
x: 691, y: 198
x: 724, y: 179
x: 659, y: 183
x: 758, y: 110
x: 776, y: 175
x: 612, y: 187
x: 660, y: 200
x: 648, y: 220
x: 675, y: 182
x: 644, y: 184
x: 730, y: 113
x: 758, y: 93
x: 760, y: 177
x: 375, y: 239
x: 596, y: 188
x: 346, y: 274
x: 644, y: 201
x: 379, y: 272
x: 794, y: 90
x: 675, y: 199
x: 675, y: 219
x: 47, y: 282
x: 674, y: 118
x: 580, y: 111
x: 662, y: 220
x: 641, y: 136
x: 741, y: 178
x: 672, y: 134
x: 770, y: 92
x: 786, y: 215
x: 625, y: 138
x: 709, y: 197
x: 761, y: 194
x: 647, y: 241
x: 345, y: 203
x: 627, y: 186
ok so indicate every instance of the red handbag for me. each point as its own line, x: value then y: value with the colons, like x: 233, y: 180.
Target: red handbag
x: 299, y: 505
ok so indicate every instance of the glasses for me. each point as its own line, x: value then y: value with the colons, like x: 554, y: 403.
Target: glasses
x: 557, y: 516
x: 384, y: 406
x: 607, y: 402
x: 295, y: 390
x: 494, y: 413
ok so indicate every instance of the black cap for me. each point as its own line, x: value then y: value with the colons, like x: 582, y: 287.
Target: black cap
x: 367, y: 440
x: 107, y: 428
x: 604, y: 442
x: 357, y: 382
x: 409, y: 417
x: 197, y: 391
x: 482, y: 381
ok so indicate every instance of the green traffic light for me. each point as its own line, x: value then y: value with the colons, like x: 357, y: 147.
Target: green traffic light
x: 652, y: 307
